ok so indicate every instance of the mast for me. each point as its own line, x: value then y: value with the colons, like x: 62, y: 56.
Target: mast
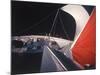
x: 53, y: 23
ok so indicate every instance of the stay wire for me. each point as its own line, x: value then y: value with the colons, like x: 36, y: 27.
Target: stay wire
x: 63, y: 27
x: 54, y: 22
x: 38, y: 23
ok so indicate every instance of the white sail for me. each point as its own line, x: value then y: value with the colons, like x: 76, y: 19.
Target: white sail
x: 80, y: 15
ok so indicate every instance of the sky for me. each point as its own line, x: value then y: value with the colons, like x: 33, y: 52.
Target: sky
x: 34, y: 18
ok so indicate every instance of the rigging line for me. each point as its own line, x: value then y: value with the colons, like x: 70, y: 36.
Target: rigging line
x: 54, y: 21
x: 54, y: 29
x: 63, y: 27
x: 36, y: 24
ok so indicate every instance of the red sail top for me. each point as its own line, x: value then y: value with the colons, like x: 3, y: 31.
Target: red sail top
x: 84, y: 50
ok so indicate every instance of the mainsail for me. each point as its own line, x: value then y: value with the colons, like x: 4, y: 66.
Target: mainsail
x: 50, y: 62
